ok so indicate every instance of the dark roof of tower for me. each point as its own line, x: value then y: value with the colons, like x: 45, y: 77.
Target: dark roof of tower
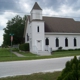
x: 36, y: 6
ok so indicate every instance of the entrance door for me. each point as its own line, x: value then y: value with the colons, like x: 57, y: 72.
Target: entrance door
x: 39, y: 45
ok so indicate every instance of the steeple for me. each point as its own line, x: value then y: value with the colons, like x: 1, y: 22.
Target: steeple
x: 36, y: 12
x: 36, y: 6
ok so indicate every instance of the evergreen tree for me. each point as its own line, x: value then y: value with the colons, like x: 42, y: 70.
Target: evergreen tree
x: 71, y: 71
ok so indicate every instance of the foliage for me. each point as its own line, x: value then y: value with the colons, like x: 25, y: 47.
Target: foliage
x: 24, y: 47
x: 71, y: 71
x: 14, y: 26
x: 60, y: 48
x: 15, y: 49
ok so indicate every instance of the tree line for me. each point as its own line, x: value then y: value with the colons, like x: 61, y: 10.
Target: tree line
x: 14, y: 26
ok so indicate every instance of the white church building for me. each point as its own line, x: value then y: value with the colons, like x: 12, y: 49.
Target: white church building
x: 44, y: 33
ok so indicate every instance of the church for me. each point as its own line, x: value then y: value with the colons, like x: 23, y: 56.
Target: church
x: 45, y: 34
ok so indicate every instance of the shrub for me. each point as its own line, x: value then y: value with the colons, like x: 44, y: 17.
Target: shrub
x: 60, y: 48
x: 15, y: 49
x: 71, y: 71
x: 24, y: 47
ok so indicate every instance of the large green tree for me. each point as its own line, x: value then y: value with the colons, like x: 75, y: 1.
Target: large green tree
x: 14, y: 26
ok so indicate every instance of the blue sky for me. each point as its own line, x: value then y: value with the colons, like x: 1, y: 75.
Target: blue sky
x: 55, y: 8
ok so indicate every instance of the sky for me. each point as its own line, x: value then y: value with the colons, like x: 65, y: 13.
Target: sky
x: 55, y: 8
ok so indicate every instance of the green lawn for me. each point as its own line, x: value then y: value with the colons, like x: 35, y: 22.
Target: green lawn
x: 28, y: 54
x: 54, y: 54
x: 4, y: 52
x: 6, y: 55
x: 37, y: 76
x: 66, y: 53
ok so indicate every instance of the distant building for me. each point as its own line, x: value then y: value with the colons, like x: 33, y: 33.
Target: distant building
x: 44, y: 33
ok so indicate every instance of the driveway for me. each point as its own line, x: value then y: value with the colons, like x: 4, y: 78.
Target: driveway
x: 32, y: 66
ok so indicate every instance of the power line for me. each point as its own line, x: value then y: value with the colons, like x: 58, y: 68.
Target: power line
x: 44, y: 14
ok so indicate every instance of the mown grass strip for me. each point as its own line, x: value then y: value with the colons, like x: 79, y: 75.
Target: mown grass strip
x: 36, y: 76
x: 6, y: 55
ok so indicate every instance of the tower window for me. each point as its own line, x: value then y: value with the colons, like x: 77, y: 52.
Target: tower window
x: 38, y: 29
x: 46, y: 41
x: 66, y: 42
x: 75, y: 42
x: 57, y: 42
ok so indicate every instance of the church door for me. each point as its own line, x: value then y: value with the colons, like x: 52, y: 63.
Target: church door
x: 39, y: 45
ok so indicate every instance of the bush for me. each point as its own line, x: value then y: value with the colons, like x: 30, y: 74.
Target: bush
x: 60, y: 48
x: 71, y: 71
x: 24, y: 47
x: 15, y: 49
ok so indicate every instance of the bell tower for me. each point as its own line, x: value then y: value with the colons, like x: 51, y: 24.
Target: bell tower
x: 37, y: 25
x: 36, y: 12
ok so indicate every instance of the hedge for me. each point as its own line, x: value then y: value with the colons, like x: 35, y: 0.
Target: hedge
x: 24, y: 47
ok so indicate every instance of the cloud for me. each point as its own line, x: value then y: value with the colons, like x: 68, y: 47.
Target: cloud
x: 58, y: 8
x: 24, y: 7
x: 5, y: 17
x: 3, y: 21
x: 8, y: 5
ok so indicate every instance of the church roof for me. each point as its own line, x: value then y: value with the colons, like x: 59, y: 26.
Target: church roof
x: 36, y: 6
x: 60, y: 25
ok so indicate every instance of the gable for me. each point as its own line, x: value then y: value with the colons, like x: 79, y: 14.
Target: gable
x: 26, y: 25
x: 36, y: 7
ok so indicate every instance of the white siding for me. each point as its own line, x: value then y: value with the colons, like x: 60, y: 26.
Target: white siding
x: 37, y: 35
x: 52, y: 43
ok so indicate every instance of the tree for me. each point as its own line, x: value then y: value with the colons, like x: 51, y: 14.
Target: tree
x: 14, y: 26
x: 71, y: 71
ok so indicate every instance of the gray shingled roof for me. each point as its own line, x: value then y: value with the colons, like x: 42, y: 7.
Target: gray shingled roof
x: 66, y: 25
x: 62, y: 25
x: 36, y: 6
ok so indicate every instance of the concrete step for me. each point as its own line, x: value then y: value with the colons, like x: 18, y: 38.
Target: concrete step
x: 44, y: 53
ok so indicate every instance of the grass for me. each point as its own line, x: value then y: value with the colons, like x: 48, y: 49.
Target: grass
x: 66, y: 53
x: 6, y: 55
x: 4, y: 52
x: 28, y: 54
x: 54, y: 54
x: 36, y: 76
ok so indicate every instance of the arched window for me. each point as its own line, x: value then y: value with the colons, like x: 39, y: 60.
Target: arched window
x: 75, y: 42
x: 27, y: 37
x: 38, y: 29
x: 46, y: 41
x: 66, y: 42
x: 57, y: 42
